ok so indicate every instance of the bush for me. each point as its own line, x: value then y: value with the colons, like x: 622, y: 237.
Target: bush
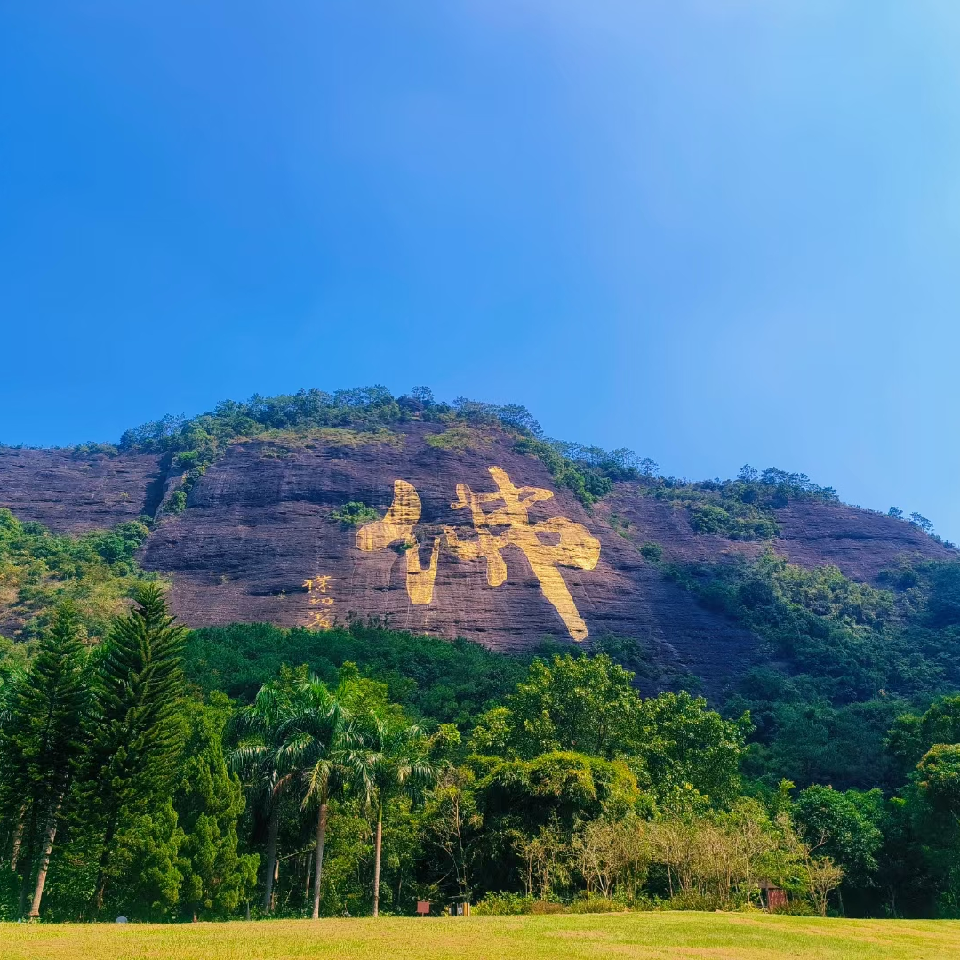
x: 541, y: 907
x: 695, y: 901
x: 797, y: 907
x: 9, y: 895
x: 652, y: 552
x: 504, y: 905
x: 354, y: 514
x: 39, y: 569
x: 593, y: 904
x: 458, y: 439
x: 93, y: 449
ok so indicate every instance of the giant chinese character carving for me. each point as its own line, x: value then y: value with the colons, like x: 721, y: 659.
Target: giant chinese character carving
x: 575, y: 547
x: 570, y: 544
x: 397, y: 527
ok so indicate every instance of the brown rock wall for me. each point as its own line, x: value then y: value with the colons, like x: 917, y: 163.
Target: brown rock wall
x: 861, y: 543
x: 258, y: 525
x: 71, y: 494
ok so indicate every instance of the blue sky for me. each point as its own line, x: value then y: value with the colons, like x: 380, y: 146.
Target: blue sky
x: 716, y: 232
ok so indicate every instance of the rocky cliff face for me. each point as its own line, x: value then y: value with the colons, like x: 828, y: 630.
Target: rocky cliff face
x: 71, y: 494
x: 469, y: 538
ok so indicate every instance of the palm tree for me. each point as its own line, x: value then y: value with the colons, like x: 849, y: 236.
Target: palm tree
x: 393, y: 763
x: 258, y: 758
x: 316, y: 740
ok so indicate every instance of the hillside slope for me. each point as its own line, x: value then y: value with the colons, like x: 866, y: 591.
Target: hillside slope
x: 444, y: 528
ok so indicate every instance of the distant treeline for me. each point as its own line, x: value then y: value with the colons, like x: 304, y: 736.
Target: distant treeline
x: 739, y: 508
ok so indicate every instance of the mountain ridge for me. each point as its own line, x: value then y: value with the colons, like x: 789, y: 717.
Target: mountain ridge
x: 246, y: 506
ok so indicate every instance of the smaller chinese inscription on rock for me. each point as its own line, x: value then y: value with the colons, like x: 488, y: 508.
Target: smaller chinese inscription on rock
x: 320, y: 613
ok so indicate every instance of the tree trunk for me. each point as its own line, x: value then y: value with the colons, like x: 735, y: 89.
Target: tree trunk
x: 101, y: 887
x: 17, y: 839
x: 29, y: 852
x: 45, y: 853
x: 273, y: 828
x: 321, y: 839
x: 376, y: 863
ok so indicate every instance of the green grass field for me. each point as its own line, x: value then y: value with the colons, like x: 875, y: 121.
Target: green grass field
x: 644, y: 935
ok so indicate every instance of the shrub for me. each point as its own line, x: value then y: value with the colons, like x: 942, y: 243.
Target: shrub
x: 504, y: 905
x: 458, y: 439
x: 694, y: 900
x: 354, y: 514
x: 652, y: 552
x: 93, y: 449
x: 796, y: 907
x: 541, y: 907
x: 706, y: 518
x: 39, y: 569
x: 9, y: 894
x: 593, y: 904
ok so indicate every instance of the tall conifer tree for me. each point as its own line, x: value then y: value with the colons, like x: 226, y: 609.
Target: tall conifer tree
x: 137, y: 731
x: 209, y: 802
x: 40, y: 744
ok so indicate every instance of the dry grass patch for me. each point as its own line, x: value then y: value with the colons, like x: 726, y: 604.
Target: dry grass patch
x: 459, y: 439
x: 324, y: 436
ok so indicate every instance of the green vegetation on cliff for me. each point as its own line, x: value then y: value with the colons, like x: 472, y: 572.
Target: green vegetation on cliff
x: 364, y: 415
x: 839, y: 662
x: 740, y: 509
x: 38, y: 569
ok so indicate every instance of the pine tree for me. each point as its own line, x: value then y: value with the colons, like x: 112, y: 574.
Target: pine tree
x: 40, y: 743
x: 209, y: 802
x: 137, y: 729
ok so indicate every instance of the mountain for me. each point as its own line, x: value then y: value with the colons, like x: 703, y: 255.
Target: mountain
x: 453, y: 520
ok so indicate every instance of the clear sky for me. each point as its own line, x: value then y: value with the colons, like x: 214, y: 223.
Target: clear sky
x: 716, y: 232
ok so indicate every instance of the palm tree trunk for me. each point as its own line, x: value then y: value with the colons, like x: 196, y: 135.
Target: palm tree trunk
x: 376, y: 862
x: 45, y: 853
x: 273, y: 828
x: 321, y: 838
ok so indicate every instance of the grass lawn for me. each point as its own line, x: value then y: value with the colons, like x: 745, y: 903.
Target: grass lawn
x: 644, y: 935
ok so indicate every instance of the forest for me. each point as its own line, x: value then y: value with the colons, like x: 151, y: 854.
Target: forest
x: 163, y: 774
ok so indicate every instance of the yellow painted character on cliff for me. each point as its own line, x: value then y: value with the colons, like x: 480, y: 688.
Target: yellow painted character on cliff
x: 397, y: 526
x: 575, y: 546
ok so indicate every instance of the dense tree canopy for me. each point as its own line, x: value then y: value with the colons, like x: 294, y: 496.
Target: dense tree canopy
x: 170, y: 774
